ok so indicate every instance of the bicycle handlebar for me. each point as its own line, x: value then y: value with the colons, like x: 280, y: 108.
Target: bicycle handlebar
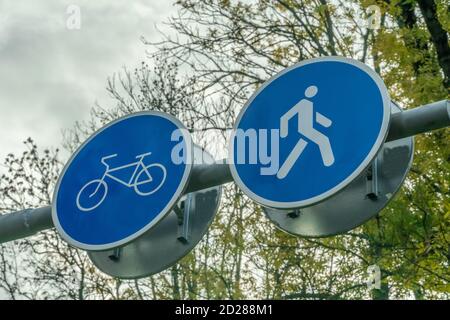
x: 143, y: 155
x: 108, y: 157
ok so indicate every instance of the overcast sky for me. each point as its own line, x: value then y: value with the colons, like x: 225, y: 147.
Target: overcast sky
x: 50, y: 75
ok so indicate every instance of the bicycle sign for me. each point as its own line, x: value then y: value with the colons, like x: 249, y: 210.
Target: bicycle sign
x: 122, y: 181
x: 308, y: 132
x: 135, y: 181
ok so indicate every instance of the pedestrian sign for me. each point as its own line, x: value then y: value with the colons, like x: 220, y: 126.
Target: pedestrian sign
x: 309, y: 131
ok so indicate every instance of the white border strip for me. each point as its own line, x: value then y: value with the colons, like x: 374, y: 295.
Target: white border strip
x: 369, y: 158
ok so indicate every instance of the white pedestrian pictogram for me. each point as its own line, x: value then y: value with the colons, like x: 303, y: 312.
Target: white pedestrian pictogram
x: 305, y: 113
x: 141, y: 176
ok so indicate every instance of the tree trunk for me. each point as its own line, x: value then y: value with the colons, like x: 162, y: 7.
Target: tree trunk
x: 382, y: 293
x: 439, y: 37
x: 176, y: 284
x: 408, y: 19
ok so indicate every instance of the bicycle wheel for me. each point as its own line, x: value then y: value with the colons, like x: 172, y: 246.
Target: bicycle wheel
x: 89, y: 191
x: 150, y: 180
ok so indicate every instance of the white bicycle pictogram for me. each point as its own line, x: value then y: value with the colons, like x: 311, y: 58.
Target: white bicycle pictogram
x: 134, y: 182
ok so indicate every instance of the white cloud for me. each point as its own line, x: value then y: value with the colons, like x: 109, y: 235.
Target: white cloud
x: 51, y: 76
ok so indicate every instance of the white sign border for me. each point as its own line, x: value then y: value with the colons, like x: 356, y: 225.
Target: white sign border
x: 176, y: 196
x: 364, y: 164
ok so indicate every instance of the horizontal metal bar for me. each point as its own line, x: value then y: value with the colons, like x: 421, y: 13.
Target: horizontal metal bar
x: 403, y: 124
x: 419, y: 120
x: 28, y: 222
x: 209, y: 175
x: 407, y: 123
x: 24, y: 223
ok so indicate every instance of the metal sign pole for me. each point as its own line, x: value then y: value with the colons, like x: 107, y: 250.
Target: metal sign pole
x: 24, y: 223
x: 422, y: 119
x: 419, y: 120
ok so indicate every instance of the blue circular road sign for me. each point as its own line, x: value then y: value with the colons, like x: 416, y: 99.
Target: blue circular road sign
x: 309, y: 131
x: 122, y: 181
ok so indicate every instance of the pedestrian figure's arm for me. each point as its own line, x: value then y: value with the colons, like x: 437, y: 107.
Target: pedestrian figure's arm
x: 322, y: 120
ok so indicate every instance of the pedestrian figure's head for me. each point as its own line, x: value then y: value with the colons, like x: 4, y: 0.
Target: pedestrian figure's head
x: 311, y: 91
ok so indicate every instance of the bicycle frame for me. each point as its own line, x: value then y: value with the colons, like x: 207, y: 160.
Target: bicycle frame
x: 138, y: 164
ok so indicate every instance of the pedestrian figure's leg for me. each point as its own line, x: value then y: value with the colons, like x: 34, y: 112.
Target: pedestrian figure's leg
x: 291, y: 159
x: 324, y: 145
